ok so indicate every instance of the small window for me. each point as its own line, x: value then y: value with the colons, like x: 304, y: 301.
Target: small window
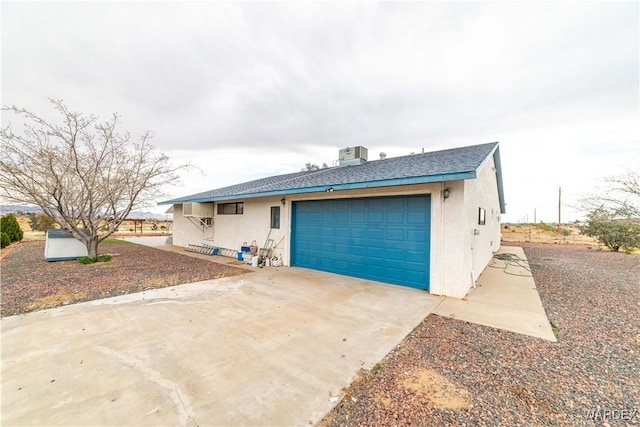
x: 231, y: 208
x: 275, y: 217
x: 482, y: 216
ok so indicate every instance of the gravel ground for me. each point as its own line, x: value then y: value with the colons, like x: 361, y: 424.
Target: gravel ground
x: 30, y: 283
x: 449, y: 372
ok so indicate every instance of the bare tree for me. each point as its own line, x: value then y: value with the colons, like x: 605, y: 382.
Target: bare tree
x: 81, y: 172
x: 620, y: 197
x: 627, y: 187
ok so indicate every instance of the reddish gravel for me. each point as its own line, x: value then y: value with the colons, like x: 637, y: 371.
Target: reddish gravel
x: 449, y: 372
x: 30, y: 283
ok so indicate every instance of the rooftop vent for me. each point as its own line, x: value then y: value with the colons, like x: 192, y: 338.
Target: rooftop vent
x: 352, y: 156
x: 383, y: 155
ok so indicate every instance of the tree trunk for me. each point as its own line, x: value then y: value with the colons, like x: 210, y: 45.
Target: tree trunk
x: 92, y: 248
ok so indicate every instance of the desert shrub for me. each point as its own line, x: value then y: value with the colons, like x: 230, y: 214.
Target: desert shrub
x: 546, y: 227
x: 100, y: 258
x: 5, y: 240
x: 9, y: 224
x: 611, y: 230
x: 41, y: 222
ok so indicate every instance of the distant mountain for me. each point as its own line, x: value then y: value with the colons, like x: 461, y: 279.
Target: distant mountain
x: 25, y: 209
x: 150, y: 215
x: 15, y: 209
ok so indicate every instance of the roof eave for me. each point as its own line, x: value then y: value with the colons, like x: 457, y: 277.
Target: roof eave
x: 496, y: 162
x: 336, y: 187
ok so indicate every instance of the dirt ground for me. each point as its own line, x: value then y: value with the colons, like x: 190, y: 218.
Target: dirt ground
x: 541, y: 233
x: 451, y: 372
x: 446, y: 372
x: 30, y: 283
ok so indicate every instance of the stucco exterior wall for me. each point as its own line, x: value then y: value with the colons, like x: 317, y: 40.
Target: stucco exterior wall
x: 454, y: 265
x: 185, y: 231
x: 231, y: 231
x: 458, y: 255
x: 485, y: 238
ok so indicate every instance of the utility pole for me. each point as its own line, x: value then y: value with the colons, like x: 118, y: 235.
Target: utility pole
x: 559, y: 206
x: 534, y: 216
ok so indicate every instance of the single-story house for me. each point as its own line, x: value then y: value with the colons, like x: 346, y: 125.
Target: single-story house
x: 427, y: 220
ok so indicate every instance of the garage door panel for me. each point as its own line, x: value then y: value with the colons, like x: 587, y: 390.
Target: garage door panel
x: 375, y: 270
x: 358, y: 232
x: 416, y: 236
x: 416, y: 203
x: 395, y: 234
x: 313, y: 230
x: 328, y: 231
x: 395, y: 217
x: 394, y: 271
x: 375, y: 247
x: 413, y: 256
x: 342, y: 217
x: 326, y: 263
x: 341, y: 249
x: 415, y: 219
x: 376, y: 204
x: 378, y: 238
x: 358, y: 268
x: 341, y: 266
x: 358, y: 217
x: 356, y: 204
x: 358, y: 250
x: 342, y: 232
x: 315, y: 216
x: 394, y: 254
x: 376, y: 217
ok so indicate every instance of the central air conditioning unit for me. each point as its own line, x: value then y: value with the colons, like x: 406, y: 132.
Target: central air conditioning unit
x: 352, y: 156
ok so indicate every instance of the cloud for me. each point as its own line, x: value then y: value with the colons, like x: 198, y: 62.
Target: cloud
x: 263, y: 88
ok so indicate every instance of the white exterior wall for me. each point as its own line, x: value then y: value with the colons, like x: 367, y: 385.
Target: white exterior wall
x: 468, y: 246
x: 482, y: 193
x: 185, y: 231
x: 454, y: 265
x: 231, y: 231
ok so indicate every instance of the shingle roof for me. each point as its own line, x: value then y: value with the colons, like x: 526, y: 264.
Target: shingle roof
x: 436, y: 166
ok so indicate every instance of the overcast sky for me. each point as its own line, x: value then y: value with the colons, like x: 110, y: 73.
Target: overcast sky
x: 247, y: 90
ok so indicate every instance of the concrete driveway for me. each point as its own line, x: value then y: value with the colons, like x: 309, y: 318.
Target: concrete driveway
x: 272, y: 347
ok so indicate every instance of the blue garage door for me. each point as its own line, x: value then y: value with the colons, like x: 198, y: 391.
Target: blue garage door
x: 378, y: 238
